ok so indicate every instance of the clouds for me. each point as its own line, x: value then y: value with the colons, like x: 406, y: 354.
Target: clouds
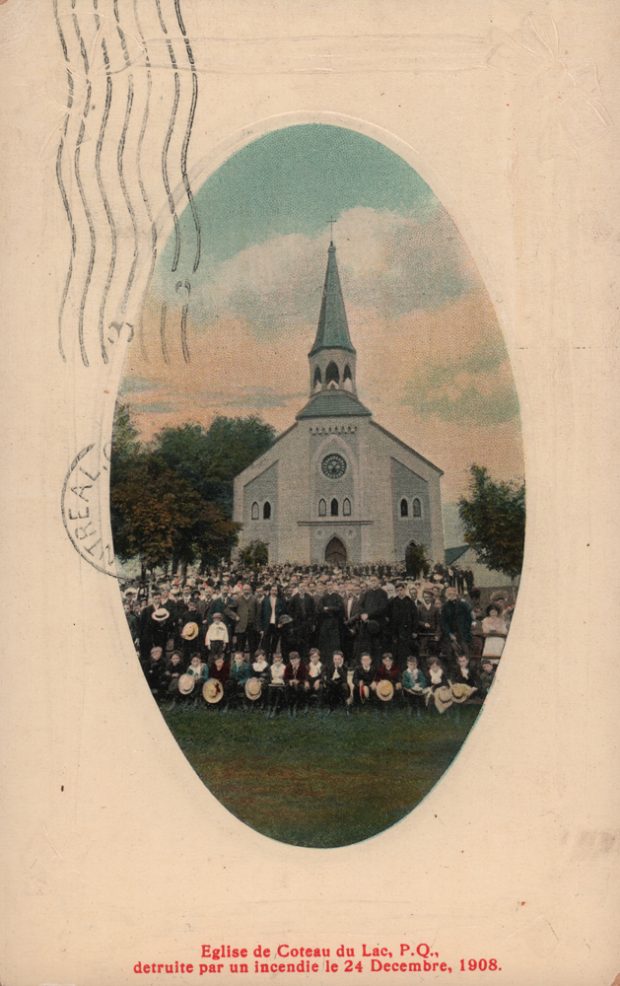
x: 389, y: 263
x: 432, y: 364
x: 479, y: 390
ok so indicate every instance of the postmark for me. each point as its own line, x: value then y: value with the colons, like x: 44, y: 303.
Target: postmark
x: 83, y: 501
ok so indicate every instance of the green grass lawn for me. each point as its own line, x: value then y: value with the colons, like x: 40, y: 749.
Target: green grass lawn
x: 317, y: 780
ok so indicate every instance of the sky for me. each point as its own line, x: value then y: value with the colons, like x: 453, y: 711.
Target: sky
x: 432, y: 365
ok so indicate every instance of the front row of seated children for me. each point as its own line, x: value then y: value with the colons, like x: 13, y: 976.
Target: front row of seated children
x: 295, y: 683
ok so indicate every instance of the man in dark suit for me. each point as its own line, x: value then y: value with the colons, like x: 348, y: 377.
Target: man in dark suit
x: 330, y: 615
x: 272, y: 610
x: 336, y: 681
x: 428, y: 623
x: 374, y: 604
x: 246, y: 628
x: 403, y: 615
x: 155, y: 632
x: 455, y: 621
x: 352, y: 614
x: 302, y: 610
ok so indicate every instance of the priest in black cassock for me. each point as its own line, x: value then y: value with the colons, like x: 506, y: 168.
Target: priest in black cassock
x: 330, y: 616
x: 374, y: 604
x: 302, y: 610
x: 403, y: 615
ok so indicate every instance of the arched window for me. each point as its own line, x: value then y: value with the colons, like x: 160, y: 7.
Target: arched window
x: 254, y: 512
x: 347, y: 378
x: 333, y: 508
x: 316, y: 383
x: 266, y: 510
x: 404, y: 508
x: 332, y: 375
x: 322, y: 508
x: 346, y: 507
x: 417, y: 508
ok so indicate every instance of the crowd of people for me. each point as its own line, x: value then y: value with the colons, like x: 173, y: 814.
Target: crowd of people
x: 295, y: 637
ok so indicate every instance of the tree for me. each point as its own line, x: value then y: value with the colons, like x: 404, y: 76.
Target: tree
x: 126, y: 445
x: 234, y: 443
x: 216, y: 535
x: 210, y: 460
x: 171, y: 500
x: 255, y: 553
x: 493, y: 517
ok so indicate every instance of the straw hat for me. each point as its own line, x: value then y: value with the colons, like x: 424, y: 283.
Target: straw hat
x: 385, y: 690
x: 461, y: 692
x: 213, y: 691
x: 186, y: 684
x: 190, y: 631
x: 443, y: 698
x: 253, y: 689
x: 160, y: 615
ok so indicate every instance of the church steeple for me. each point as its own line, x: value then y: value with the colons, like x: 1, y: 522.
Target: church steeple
x: 332, y: 357
x: 333, y: 329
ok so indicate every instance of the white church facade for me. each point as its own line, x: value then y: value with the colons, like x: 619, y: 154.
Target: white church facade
x: 336, y: 487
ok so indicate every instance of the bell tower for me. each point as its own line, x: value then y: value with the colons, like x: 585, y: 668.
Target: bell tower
x: 332, y: 357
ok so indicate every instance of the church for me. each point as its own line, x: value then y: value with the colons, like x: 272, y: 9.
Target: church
x: 336, y: 487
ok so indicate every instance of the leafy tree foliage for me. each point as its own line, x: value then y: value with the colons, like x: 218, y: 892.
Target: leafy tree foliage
x: 126, y: 444
x: 171, y: 500
x: 255, y: 553
x: 210, y: 459
x: 493, y: 515
x: 159, y: 512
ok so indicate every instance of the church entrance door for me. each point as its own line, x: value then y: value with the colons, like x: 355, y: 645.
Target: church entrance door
x: 415, y: 559
x: 336, y: 553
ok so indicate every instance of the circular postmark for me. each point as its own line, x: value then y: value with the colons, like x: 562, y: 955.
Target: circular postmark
x: 83, y: 501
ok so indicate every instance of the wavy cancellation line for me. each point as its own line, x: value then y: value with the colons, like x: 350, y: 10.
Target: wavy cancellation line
x: 80, y: 184
x: 71, y: 168
x: 188, y: 133
x: 143, y: 191
x: 168, y: 138
x: 104, y: 197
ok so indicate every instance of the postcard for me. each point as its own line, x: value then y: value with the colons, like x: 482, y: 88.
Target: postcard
x: 309, y: 492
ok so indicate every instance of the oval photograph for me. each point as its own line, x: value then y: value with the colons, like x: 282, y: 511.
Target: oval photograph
x: 317, y: 490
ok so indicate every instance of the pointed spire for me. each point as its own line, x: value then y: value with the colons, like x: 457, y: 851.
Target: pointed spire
x: 333, y: 330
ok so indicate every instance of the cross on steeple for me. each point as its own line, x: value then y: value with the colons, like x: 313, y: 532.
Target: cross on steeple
x: 331, y: 229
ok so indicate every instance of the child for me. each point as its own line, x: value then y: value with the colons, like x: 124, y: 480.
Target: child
x: 260, y: 667
x: 464, y: 673
x: 239, y: 673
x: 337, y: 682
x: 387, y: 671
x: 276, y: 683
x: 173, y: 672
x: 217, y: 639
x: 314, y: 682
x: 197, y: 669
x: 155, y: 672
x: 363, y: 677
x: 414, y: 683
x: 436, y: 673
x: 487, y: 675
x: 220, y: 670
x: 295, y: 676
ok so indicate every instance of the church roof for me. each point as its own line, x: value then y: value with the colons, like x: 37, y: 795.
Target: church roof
x: 404, y: 445
x: 453, y: 554
x: 333, y: 330
x: 334, y: 404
